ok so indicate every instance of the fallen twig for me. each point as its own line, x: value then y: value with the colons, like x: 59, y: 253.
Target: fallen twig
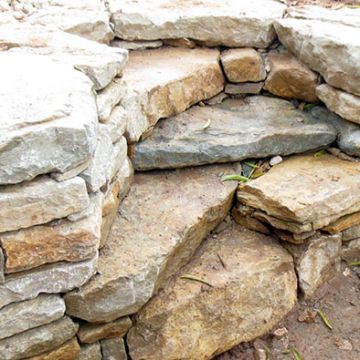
x: 195, y: 278
x: 324, y: 318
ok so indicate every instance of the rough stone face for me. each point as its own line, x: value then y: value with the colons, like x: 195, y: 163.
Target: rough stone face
x: 153, y: 88
x: 242, y: 65
x: 113, y: 349
x: 245, y: 88
x: 325, y: 191
x: 2, y: 267
x: 289, y: 78
x: 22, y: 316
x: 117, y: 123
x: 56, y: 119
x: 351, y: 233
x: 316, y: 261
x: 67, y: 351
x: 241, y: 303
x: 326, y: 48
x: 37, y: 341
x: 345, y: 222
x: 344, y: 104
x: 99, y: 62
x: 237, y: 23
x: 59, y: 241
x: 40, y: 201
x: 90, y: 333
x: 238, y: 130
x: 350, y: 251
x: 137, y: 45
x: 139, y: 256
x: 90, y: 352
x: 51, y: 279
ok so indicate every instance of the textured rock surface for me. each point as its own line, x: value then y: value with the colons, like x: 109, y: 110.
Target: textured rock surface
x: 350, y: 251
x: 51, y: 279
x: 199, y: 321
x: 316, y: 261
x: 137, y: 45
x: 40, y: 201
x: 244, y: 88
x: 117, y: 123
x: 90, y: 352
x: 237, y: 23
x: 345, y: 222
x: 113, y: 349
x: 139, y: 256
x: 153, y: 88
x: 331, y: 49
x: 63, y: 240
x: 242, y: 65
x: 22, y: 316
x: 67, y: 351
x: 351, y: 233
x: 238, y: 130
x: 37, y: 341
x: 57, y: 115
x: 99, y: 62
x: 344, y: 104
x: 90, y: 333
x: 289, y: 78
x: 325, y: 191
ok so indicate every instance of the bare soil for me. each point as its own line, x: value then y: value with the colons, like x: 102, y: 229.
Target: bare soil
x: 340, y: 301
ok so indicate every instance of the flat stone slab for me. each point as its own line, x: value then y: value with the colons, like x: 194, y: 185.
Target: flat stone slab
x: 305, y: 192
x: 40, y: 201
x: 139, y: 255
x: 70, y: 350
x: 230, y: 23
x: 245, y: 284
x: 233, y: 130
x: 56, y: 119
x: 153, y: 87
x: 332, y: 49
x: 90, y: 352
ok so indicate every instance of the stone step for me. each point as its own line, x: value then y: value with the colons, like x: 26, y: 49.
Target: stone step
x: 230, y: 23
x: 236, y: 129
x: 160, y: 224
x: 237, y: 287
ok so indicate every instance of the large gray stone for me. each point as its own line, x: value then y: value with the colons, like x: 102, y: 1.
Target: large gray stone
x: 50, y: 279
x: 53, y: 127
x: 332, y: 49
x: 22, y: 316
x: 40, y: 201
x: 237, y: 130
x: 90, y: 352
x: 39, y: 340
x: 113, y: 349
x: 99, y: 62
x: 249, y: 285
x: 230, y: 23
x: 351, y: 233
x: 139, y: 255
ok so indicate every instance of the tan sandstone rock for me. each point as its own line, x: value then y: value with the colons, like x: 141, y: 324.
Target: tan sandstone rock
x: 242, y: 65
x: 344, y: 223
x: 246, y: 284
x: 305, y: 192
x: 154, y: 88
x: 289, y: 78
x: 344, y: 104
x: 139, y: 255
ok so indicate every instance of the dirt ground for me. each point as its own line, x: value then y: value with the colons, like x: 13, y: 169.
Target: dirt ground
x: 324, y: 3
x: 340, y: 301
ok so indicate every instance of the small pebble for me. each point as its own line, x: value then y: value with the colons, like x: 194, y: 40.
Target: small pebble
x: 280, y: 332
x: 260, y: 354
x: 307, y: 316
x: 276, y: 160
x: 343, y: 344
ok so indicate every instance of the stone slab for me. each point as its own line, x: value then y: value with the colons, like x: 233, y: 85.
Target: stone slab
x: 113, y: 349
x: 247, y: 284
x: 40, y: 201
x: 90, y: 352
x: 230, y: 23
x: 306, y: 190
x: 244, y: 88
x: 136, y: 45
x: 56, y: 115
x: 139, y: 255
x: 234, y: 130
x: 351, y: 233
x: 67, y: 351
x: 350, y: 251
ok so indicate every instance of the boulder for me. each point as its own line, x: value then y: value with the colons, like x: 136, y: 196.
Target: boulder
x: 50, y: 279
x: 56, y: 119
x: 113, y: 349
x: 40, y: 201
x: 242, y: 65
x: 344, y: 104
x: 332, y: 49
x: 139, y: 255
x: 154, y: 88
x: 90, y: 352
x: 230, y: 23
x: 231, y: 131
x: 306, y: 192
x: 316, y: 261
x: 289, y: 78
x: 37, y: 341
x: 70, y: 350
x: 235, y: 289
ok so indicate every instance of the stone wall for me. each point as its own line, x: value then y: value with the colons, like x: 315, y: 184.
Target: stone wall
x: 85, y: 88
